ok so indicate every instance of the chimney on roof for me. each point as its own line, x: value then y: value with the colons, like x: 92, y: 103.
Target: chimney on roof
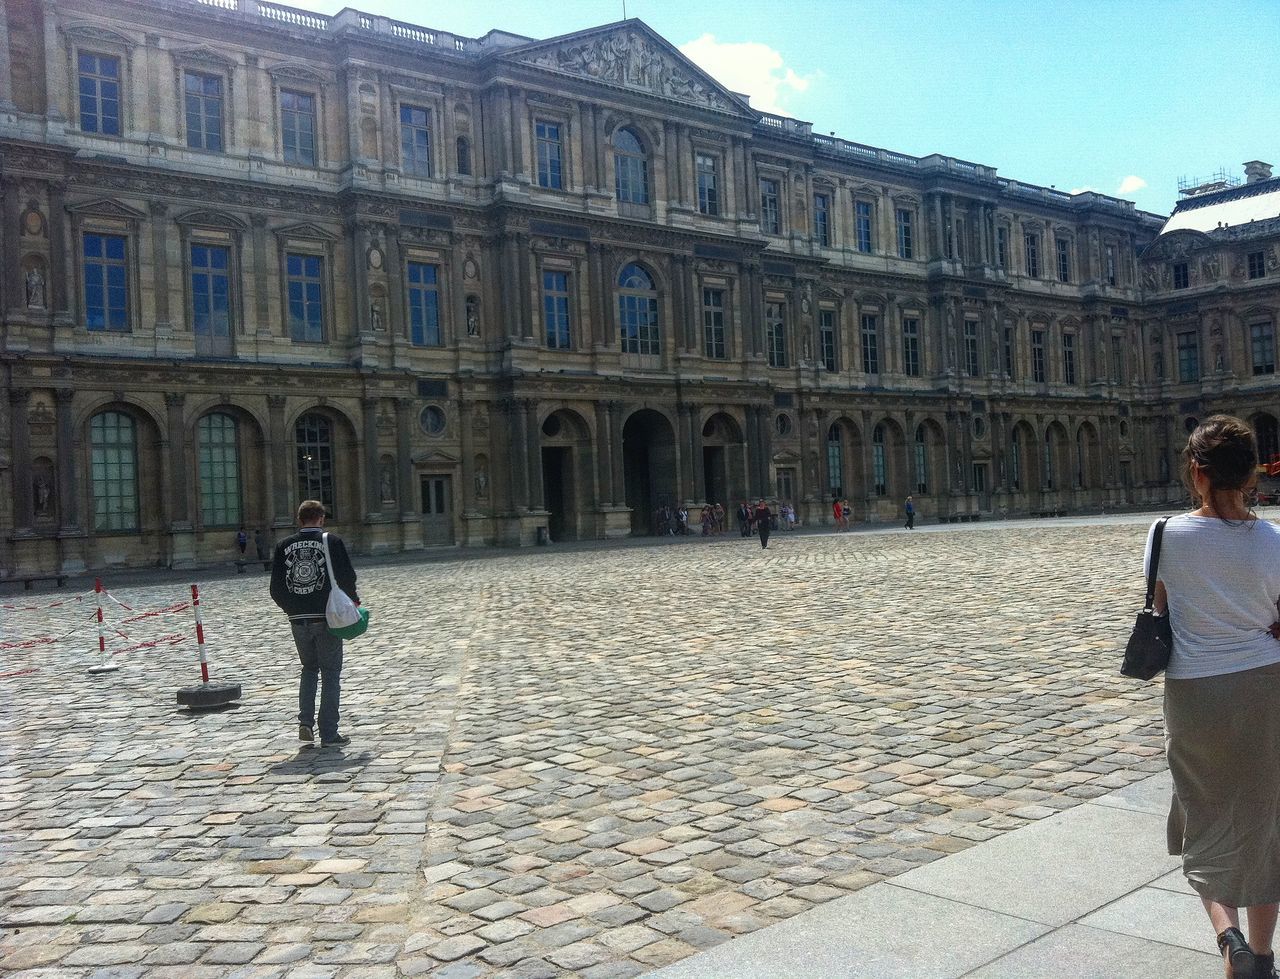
x: 1256, y: 170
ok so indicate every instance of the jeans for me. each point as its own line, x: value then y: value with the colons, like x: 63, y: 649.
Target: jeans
x: 320, y: 652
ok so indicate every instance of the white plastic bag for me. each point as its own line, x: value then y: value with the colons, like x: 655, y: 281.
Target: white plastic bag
x: 340, y: 611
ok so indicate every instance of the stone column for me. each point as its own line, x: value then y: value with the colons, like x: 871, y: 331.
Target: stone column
x: 753, y: 306
x: 696, y: 461
x: 179, y: 504
x: 524, y: 297
x: 511, y: 286
x: 685, y: 445
x: 68, y: 488
x: 261, y: 308
x: 597, y: 295
x: 23, y: 502
x: 753, y: 450
x: 517, y: 453
x: 615, y: 444
x: 819, y: 492
x: 604, y: 453
x: 404, y: 456
x: 160, y: 262
x: 680, y: 306
x: 280, y: 460
x: 59, y: 275
x: 372, y: 483
x: 765, y: 428
x: 54, y: 76
x: 6, y: 79
x: 517, y: 132
x: 397, y: 318
x: 15, y: 286
x: 533, y: 443
x: 468, y: 466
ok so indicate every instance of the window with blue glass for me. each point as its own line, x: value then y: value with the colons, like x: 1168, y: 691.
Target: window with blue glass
x: 99, y: 94
x: 550, y: 154
x: 822, y: 219
x: 424, y: 304
x: 415, y: 140
x: 211, y: 295
x: 305, y: 280
x: 879, y: 461
x: 862, y: 225
x: 906, y: 243
x: 871, y: 343
x: 638, y: 313
x: 828, y: 348
x: 911, y: 346
x: 708, y: 186
x: 203, y: 102
x: 775, y: 325
x: 106, y: 289
x: 555, y: 306
x: 298, y: 127
x: 630, y: 168
x: 713, y: 323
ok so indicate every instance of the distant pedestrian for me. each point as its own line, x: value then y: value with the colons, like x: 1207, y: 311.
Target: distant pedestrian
x: 791, y: 516
x: 744, y: 519
x: 718, y: 513
x: 911, y: 514
x: 242, y: 540
x: 708, y: 521
x: 837, y: 514
x: 260, y: 544
x: 762, y: 516
x: 845, y: 511
x: 301, y: 580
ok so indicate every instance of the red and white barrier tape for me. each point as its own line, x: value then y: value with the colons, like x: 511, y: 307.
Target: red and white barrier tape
x: 167, y: 610
x: 40, y: 608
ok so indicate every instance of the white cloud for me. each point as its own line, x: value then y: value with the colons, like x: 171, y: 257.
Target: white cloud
x: 749, y: 67
x: 1131, y: 184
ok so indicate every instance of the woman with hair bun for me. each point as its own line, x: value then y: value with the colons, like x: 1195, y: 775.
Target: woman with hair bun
x: 1219, y: 581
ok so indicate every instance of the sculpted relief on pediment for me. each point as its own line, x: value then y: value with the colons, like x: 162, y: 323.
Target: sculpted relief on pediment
x: 635, y: 61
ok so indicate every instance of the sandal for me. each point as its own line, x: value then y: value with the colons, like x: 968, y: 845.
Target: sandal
x: 1241, y: 962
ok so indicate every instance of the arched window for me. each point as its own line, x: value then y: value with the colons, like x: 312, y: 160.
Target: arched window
x: 835, y: 461
x: 638, y: 312
x: 878, y: 460
x: 464, y: 156
x: 1048, y: 460
x: 219, y: 450
x: 314, y: 438
x: 1080, y: 457
x: 113, y: 448
x: 1015, y: 462
x: 922, y: 461
x: 630, y: 168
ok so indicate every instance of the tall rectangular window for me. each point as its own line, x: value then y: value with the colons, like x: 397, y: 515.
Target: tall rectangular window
x: 905, y: 247
x: 708, y: 184
x: 1008, y: 353
x: 298, y: 127
x: 1117, y: 358
x: 305, y: 284
x: 775, y: 319
x: 113, y: 469
x: 1031, y: 252
x: 1002, y: 247
x: 415, y: 140
x: 1262, y: 340
x: 862, y: 225
x: 1181, y: 275
x: 713, y: 323
x: 828, y: 348
x: 1064, y: 259
x: 550, y: 150
x: 106, y: 283
x: 1188, y: 357
x: 1038, y: 373
x: 822, y: 219
x: 972, y: 363
x: 99, y: 90
x: 1111, y: 265
x: 911, y: 346
x: 211, y: 298
x: 1257, y: 265
x: 555, y: 309
x: 1069, y: 358
x: 219, y: 444
x: 203, y: 102
x: 870, y: 343
x: 424, y: 305
x: 770, y: 208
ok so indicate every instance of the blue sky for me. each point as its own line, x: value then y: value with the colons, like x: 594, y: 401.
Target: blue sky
x: 1119, y: 96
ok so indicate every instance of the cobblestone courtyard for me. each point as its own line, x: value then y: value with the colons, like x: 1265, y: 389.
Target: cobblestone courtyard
x: 592, y: 762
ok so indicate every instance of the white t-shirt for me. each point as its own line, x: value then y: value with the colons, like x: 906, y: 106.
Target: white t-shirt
x: 1223, y: 582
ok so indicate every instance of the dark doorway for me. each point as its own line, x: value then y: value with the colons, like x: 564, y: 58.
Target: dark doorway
x: 437, y: 510
x: 557, y: 490
x: 649, y: 459
x: 714, y: 476
x: 1265, y: 428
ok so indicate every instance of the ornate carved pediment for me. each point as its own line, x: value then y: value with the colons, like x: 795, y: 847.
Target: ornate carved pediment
x: 1176, y: 246
x: 630, y: 55
x: 204, y: 218
x: 298, y: 72
x: 105, y: 207
x: 94, y: 34
x: 306, y: 230
x: 204, y: 55
x: 435, y: 457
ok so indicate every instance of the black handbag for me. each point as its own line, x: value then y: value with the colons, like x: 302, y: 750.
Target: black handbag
x: 1152, y: 640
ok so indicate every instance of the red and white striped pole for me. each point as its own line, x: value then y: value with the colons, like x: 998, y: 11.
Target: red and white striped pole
x: 195, y: 605
x: 105, y: 665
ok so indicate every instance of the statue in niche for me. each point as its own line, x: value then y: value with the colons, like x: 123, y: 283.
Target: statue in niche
x: 482, y: 483
x: 42, y: 493
x: 35, y: 288
x: 375, y: 315
x: 473, y: 316
x: 388, y: 483
x: 1218, y: 364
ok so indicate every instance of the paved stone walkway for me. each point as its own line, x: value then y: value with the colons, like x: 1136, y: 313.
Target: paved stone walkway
x: 588, y: 762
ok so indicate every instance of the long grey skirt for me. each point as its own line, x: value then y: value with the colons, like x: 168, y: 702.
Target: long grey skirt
x: 1223, y: 744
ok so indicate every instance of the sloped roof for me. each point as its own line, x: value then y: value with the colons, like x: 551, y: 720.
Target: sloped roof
x: 1230, y: 208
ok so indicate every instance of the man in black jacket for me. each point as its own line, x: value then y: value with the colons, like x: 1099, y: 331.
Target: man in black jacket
x: 300, y: 584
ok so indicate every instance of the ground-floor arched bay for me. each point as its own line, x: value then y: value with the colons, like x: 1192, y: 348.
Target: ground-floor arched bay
x: 132, y: 464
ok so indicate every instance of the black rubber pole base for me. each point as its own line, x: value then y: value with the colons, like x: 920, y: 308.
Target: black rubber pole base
x: 207, y: 695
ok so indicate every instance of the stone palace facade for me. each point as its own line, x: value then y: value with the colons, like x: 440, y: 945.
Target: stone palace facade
x: 464, y: 289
